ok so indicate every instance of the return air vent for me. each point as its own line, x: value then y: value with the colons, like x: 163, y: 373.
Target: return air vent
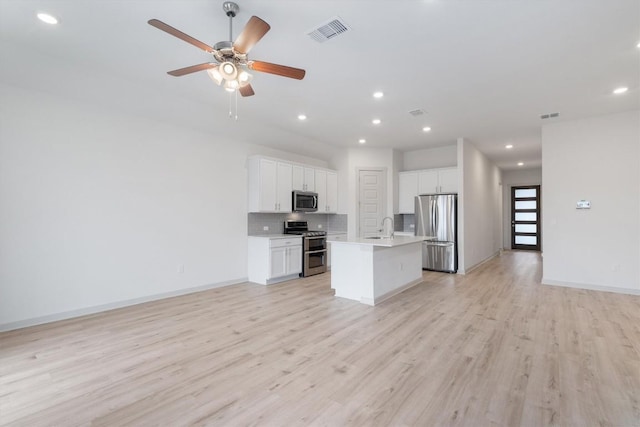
x: 549, y: 116
x: 416, y: 113
x: 328, y: 30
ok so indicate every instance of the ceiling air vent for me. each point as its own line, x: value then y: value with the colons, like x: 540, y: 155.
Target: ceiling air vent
x: 549, y: 116
x: 328, y: 30
x: 416, y: 113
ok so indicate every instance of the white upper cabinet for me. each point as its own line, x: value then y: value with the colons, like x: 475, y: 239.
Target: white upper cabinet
x: 407, y: 190
x: 327, y: 189
x: 271, y: 182
x: 332, y: 192
x: 269, y: 185
x: 304, y: 178
x: 429, y: 181
x: 321, y: 189
x: 448, y: 180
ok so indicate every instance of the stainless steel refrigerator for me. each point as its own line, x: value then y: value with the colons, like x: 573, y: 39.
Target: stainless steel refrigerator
x: 436, y: 216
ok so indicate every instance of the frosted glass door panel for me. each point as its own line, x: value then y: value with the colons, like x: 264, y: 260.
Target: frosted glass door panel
x: 526, y: 228
x: 526, y: 192
x: 526, y: 240
x: 526, y: 216
x: 526, y: 204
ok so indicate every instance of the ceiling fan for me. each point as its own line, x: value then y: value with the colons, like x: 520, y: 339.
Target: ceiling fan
x: 232, y: 63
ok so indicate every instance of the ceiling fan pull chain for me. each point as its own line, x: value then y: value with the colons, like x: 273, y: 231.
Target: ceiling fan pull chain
x: 236, y: 95
x: 230, y: 105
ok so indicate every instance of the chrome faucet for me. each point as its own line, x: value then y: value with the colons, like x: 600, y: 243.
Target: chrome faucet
x: 392, y: 226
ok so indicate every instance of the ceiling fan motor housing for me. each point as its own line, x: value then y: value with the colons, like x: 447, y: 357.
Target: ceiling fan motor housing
x: 230, y: 8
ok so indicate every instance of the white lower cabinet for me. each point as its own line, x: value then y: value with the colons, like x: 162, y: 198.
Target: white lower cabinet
x: 274, y: 259
x: 331, y: 238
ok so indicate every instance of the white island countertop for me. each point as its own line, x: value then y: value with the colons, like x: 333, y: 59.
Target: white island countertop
x: 386, y: 242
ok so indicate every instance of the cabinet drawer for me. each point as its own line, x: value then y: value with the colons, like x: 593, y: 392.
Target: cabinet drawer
x: 279, y: 243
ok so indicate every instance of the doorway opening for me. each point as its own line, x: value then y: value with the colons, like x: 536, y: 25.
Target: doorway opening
x: 525, y: 217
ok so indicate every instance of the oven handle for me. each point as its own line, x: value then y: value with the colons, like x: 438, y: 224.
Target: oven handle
x: 315, y: 252
x: 315, y: 237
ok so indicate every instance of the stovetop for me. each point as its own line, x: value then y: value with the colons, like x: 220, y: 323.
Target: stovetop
x: 301, y: 228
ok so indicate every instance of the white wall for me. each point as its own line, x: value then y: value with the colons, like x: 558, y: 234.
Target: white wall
x: 429, y: 158
x: 596, y: 159
x: 100, y: 209
x: 480, y: 207
x: 514, y: 178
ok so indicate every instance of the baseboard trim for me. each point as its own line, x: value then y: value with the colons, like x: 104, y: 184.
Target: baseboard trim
x: 589, y: 287
x: 475, y: 266
x: 112, y: 306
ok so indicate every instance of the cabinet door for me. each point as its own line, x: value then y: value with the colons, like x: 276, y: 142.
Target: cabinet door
x: 284, y: 187
x: 309, y: 179
x: 428, y: 182
x: 294, y: 259
x: 268, y: 183
x: 407, y: 192
x: 448, y: 180
x: 297, y: 177
x: 278, y: 262
x: 332, y: 192
x: 321, y: 189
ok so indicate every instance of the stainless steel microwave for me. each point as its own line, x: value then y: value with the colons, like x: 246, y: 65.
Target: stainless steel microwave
x: 304, y: 201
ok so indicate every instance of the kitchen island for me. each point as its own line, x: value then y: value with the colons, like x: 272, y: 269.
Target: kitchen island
x: 370, y: 270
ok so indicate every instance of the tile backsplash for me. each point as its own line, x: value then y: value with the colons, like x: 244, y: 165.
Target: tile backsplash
x: 275, y: 222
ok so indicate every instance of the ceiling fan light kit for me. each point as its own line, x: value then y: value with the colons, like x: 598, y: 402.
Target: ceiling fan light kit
x: 231, y: 65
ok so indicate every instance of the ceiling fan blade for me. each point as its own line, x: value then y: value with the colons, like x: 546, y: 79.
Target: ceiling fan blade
x: 192, y: 69
x: 246, y: 90
x: 179, y: 34
x: 255, y: 29
x: 280, y: 70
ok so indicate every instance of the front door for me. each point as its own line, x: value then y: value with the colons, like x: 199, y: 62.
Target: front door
x: 525, y: 217
x: 371, y: 194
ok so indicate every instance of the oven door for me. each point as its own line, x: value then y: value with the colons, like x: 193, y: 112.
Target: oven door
x: 315, y: 262
x: 315, y: 243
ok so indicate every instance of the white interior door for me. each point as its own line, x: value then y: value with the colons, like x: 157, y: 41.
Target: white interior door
x: 371, y: 193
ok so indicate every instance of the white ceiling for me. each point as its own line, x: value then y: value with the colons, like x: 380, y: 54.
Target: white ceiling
x: 482, y: 70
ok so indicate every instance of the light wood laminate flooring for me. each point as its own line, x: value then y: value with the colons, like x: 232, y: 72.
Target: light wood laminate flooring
x: 493, y: 348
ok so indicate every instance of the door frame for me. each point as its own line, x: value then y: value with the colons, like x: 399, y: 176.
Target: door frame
x: 537, y: 210
x: 381, y: 169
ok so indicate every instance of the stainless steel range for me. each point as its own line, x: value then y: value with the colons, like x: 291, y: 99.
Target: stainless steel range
x: 314, y: 247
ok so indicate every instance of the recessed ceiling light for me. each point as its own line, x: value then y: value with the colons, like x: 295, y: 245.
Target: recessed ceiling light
x: 362, y: 141
x: 508, y: 146
x: 45, y: 17
x: 376, y: 121
x: 620, y: 90
x: 378, y: 94
x: 426, y: 129
x: 638, y: 45
x: 520, y: 164
x: 302, y: 117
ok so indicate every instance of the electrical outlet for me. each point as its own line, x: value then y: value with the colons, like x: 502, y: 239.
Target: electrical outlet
x: 265, y: 228
x: 319, y: 225
x: 412, y: 226
x: 401, y: 267
x: 181, y: 269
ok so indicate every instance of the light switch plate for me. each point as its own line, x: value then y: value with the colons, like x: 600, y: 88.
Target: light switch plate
x: 583, y: 204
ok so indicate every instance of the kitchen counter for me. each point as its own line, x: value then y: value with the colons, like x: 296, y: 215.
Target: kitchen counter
x: 386, y: 242
x: 372, y: 270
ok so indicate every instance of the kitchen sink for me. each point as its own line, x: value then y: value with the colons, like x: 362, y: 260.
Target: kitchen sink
x: 374, y: 237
